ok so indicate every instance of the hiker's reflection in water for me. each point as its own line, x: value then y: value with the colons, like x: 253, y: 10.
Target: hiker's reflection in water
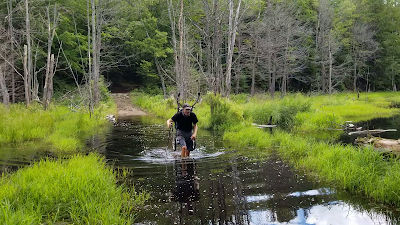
x: 186, y: 190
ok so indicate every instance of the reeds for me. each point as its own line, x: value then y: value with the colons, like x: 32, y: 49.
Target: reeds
x: 81, y: 190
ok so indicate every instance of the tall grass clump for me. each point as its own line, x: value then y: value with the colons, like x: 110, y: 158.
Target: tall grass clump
x: 81, y: 190
x: 248, y: 136
x: 283, y: 111
x: 223, y: 112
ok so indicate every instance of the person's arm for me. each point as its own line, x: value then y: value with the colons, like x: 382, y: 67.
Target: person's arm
x: 194, y: 132
x: 169, y: 123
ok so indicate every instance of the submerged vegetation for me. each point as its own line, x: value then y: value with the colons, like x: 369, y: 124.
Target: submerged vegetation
x: 359, y: 170
x: 81, y: 190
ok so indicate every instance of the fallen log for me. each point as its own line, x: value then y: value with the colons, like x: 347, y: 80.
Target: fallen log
x: 263, y: 125
x: 377, y: 131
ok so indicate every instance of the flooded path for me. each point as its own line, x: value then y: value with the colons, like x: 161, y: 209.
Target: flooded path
x: 218, y: 185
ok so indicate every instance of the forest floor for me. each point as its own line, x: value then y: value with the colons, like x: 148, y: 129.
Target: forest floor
x: 124, y: 105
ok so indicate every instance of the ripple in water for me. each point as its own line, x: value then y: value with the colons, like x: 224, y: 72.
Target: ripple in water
x: 163, y: 155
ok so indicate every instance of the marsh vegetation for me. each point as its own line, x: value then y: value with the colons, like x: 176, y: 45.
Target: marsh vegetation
x: 358, y: 170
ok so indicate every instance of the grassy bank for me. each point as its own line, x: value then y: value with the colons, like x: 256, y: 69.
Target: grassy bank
x: 302, y: 113
x: 295, y: 112
x: 62, y: 127
x: 357, y: 170
x: 81, y: 190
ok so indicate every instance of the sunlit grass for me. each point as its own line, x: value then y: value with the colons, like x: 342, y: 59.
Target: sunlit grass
x: 61, y: 126
x: 81, y: 190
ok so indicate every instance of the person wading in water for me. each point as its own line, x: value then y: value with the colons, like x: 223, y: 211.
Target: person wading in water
x: 186, y: 122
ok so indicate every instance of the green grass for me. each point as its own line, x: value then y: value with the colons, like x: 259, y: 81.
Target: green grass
x: 81, y: 190
x: 65, y: 129
x: 213, y: 112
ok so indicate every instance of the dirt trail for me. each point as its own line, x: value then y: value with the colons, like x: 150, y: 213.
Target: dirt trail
x: 124, y: 105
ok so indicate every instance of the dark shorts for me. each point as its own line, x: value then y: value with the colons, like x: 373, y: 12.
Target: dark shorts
x: 183, y: 137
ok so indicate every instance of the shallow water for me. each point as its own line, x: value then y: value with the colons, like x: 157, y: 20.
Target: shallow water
x: 218, y: 185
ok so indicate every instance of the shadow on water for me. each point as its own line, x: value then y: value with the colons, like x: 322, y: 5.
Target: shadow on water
x: 219, y: 185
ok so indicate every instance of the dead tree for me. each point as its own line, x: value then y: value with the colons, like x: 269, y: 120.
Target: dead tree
x: 11, y: 55
x: 3, y: 87
x: 48, y: 85
x: 27, y: 56
x: 233, y: 24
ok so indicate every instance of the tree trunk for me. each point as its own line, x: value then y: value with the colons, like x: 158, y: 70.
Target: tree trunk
x: 4, y: 90
x: 50, y: 57
x: 180, y: 81
x: 90, y: 72
x: 26, y: 74
x: 355, y: 72
x: 271, y: 84
x: 11, y: 58
x: 48, y: 86
x: 231, y: 44
x: 330, y: 68
x: 95, y: 66
x: 28, y: 56
x: 174, y: 42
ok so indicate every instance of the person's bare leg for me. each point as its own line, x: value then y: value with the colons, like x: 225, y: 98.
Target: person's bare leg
x: 184, y: 151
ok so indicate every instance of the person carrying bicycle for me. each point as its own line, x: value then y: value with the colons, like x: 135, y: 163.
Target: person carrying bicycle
x: 186, y: 125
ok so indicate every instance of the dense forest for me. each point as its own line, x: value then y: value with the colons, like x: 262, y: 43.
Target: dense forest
x: 224, y: 46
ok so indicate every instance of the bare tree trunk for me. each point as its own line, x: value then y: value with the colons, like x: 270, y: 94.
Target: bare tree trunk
x: 95, y: 66
x: 181, y: 58
x: 4, y: 90
x: 231, y: 43
x: 238, y: 71
x: 11, y: 38
x: 174, y: 42
x: 253, y: 69
x: 323, y: 76
x: 35, y: 81
x: 90, y: 72
x: 217, y: 42
x: 286, y: 64
x: 48, y: 86
x: 99, y: 24
x: 330, y: 67
x: 50, y: 57
x: 271, y: 84
x: 355, y: 71
x: 28, y: 71
x: 26, y: 74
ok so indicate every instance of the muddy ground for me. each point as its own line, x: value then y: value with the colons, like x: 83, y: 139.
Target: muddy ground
x: 125, y: 107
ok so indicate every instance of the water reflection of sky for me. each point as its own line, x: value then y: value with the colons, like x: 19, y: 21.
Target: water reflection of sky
x: 334, y: 212
x: 259, y: 198
x: 339, y: 213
